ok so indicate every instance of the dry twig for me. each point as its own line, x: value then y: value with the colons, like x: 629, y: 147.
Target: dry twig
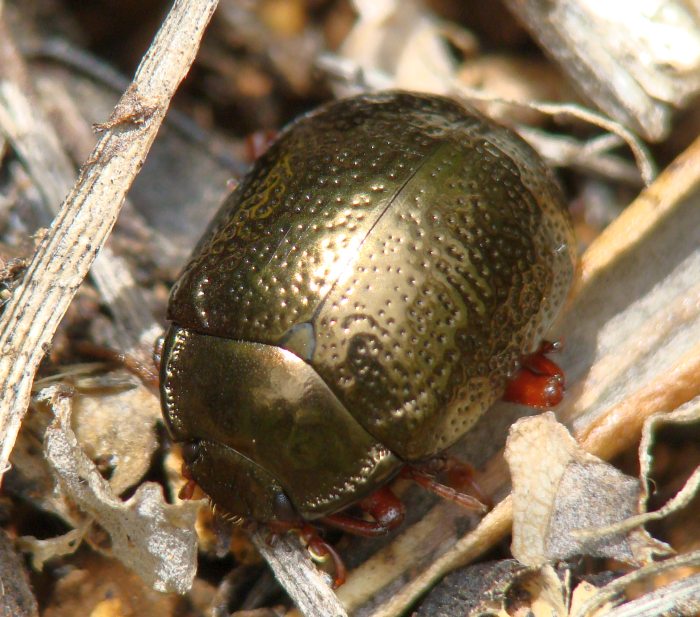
x: 90, y: 210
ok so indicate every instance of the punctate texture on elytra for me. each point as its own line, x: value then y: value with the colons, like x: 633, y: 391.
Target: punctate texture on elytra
x: 359, y: 301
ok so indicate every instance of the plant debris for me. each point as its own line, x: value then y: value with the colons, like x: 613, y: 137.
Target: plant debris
x: 596, y: 500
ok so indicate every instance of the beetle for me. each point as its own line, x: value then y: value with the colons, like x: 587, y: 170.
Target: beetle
x: 361, y: 298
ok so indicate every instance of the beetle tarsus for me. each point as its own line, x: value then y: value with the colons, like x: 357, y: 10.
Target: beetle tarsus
x: 355, y: 526
x: 320, y: 550
x: 458, y: 475
x: 384, y: 507
x: 539, y: 382
x: 427, y: 481
x: 187, y: 491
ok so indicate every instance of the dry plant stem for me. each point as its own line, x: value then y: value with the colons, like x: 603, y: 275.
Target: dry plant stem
x: 492, y: 528
x: 597, y: 161
x: 36, y: 142
x: 135, y: 327
x: 675, y: 183
x: 68, y: 250
x: 611, y: 432
x: 612, y: 590
x: 299, y: 576
x: 681, y: 597
x: 74, y: 58
x: 579, y: 112
x: 592, y: 156
x: 621, y: 425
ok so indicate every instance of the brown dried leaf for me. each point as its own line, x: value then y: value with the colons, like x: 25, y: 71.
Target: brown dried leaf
x: 558, y: 488
x: 547, y: 593
x: 118, y: 426
x: 582, y: 594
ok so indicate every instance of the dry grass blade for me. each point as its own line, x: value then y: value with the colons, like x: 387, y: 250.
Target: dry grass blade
x: 658, y: 201
x: 685, y: 590
x: 88, y: 213
x: 579, y: 112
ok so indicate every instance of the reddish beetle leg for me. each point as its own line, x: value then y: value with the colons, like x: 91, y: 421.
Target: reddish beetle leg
x: 539, y: 382
x: 147, y: 374
x: 459, y: 476
x: 382, y: 505
x: 319, y: 549
x: 187, y: 491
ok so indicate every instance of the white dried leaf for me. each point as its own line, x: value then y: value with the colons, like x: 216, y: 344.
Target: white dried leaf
x: 43, y: 550
x: 155, y: 539
x: 30, y: 468
x: 559, y: 489
x: 403, y: 42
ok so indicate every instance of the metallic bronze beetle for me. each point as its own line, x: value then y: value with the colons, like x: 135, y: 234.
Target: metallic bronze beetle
x: 359, y: 301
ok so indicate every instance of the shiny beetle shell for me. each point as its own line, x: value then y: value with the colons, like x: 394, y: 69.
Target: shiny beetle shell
x: 359, y: 301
